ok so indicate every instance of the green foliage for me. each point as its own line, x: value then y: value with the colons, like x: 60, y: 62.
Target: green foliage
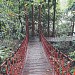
x: 9, y: 17
x: 70, y: 2
x: 11, y: 25
x: 72, y: 55
x: 4, y: 53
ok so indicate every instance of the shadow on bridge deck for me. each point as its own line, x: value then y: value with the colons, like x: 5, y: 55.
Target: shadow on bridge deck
x: 36, y: 61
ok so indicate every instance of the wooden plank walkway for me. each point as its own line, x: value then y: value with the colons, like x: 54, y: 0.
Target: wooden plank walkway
x: 36, y: 61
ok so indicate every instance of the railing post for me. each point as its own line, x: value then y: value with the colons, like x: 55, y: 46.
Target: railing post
x: 73, y: 66
x: 32, y: 20
x: 54, y: 7
x: 27, y: 28
x: 74, y: 72
x: 39, y: 23
x: 61, y: 64
x: 48, y: 17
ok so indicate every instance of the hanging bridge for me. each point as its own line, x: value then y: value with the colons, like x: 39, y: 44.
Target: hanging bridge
x: 35, y: 57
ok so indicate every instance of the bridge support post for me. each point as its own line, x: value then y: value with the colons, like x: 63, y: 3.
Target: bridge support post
x: 39, y: 23
x: 32, y: 20
x: 48, y: 17
x: 27, y: 28
x: 54, y: 3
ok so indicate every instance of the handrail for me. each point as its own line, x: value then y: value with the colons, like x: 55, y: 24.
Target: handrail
x: 16, y: 61
x: 14, y: 64
x: 60, y: 62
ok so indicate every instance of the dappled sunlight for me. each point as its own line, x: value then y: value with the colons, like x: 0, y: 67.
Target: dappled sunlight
x: 63, y: 4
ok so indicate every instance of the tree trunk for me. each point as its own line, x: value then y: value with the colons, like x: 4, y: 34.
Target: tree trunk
x: 27, y: 23
x: 48, y: 18
x: 39, y: 23
x: 54, y: 8
x: 0, y: 26
x: 72, y: 28
x: 32, y: 20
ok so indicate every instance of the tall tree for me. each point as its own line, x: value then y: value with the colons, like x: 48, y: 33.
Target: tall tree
x: 54, y: 14
x: 32, y: 20
x: 48, y: 17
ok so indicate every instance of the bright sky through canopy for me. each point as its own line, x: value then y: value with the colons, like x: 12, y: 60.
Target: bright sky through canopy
x: 63, y: 4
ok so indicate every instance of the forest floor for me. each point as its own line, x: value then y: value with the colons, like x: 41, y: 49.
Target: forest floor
x: 7, y: 48
x: 67, y: 47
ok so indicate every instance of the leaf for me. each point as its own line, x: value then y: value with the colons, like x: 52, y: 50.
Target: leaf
x: 1, y: 1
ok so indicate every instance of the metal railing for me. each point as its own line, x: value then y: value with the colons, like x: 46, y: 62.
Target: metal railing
x: 61, y: 63
x: 15, y: 64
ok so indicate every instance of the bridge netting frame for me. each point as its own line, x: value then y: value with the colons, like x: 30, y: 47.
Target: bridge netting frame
x: 61, y: 63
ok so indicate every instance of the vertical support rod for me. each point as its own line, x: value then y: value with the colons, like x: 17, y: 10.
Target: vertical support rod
x: 27, y: 29
x: 48, y: 18
x: 54, y: 8
x: 32, y: 20
x: 74, y: 72
x: 39, y: 23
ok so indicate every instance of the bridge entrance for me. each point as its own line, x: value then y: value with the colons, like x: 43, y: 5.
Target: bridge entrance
x: 35, y: 26
x: 36, y: 61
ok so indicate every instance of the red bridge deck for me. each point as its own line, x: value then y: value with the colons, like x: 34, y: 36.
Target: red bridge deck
x: 36, y: 61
